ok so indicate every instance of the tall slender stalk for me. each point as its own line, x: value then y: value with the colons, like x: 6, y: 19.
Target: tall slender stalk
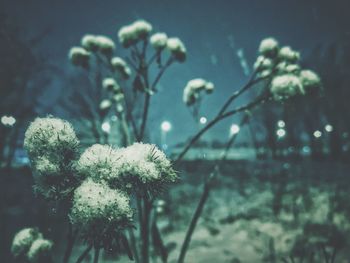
x: 97, y: 254
x: 205, y: 195
x: 71, y: 237
x: 84, y: 254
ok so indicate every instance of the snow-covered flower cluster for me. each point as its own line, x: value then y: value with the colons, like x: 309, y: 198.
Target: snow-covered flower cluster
x: 282, y: 64
x: 133, y: 33
x: 131, y: 168
x: 40, y: 251
x: 110, y: 84
x: 176, y: 48
x: 99, y: 162
x: 144, y: 166
x: 120, y: 66
x: 193, y: 89
x: 29, y: 244
x: 51, y: 144
x: 94, y: 43
x: 159, y: 41
x: 97, y: 208
x: 79, y: 56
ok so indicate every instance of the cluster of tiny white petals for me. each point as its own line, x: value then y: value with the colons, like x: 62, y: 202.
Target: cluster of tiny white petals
x: 282, y: 65
x: 159, y: 41
x: 100, y: 43
x: 176, y: 48
x: 269, y: 47
x: 310, y: 79
x: 45, y: 167
x: 50, y: 136
x: 121, y: 66
x: 96, y: 206
x: 23, y: 240
x: 288, y: 54
x: 99, y: 162
x: 285, y: 86
x: 79, y: 56
x: 39, y: 250
x: 194, y: 87
x: 145, y: 164
x: 131, y: 34
x: 109, y: 84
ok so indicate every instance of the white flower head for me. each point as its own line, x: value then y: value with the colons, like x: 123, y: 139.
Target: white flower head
x: 284, y: 67
x: 310, y: 79
x: 289, y: 55
x: 285, y: 86
x: 40, y: 250
x: 105, y: 104
x: 110, y: 84
x: 90, y: 43
x: 50, y: 137
x: 269, y: 47
x: 121, y: 66
x: 263, y: 63
x: 79, y: 56
x: 159, y: 41
x: 23, y: 240
x: 194, y: 87
x: 131, y: 34
x: 177, y: 49
x: 144, y: 166
x: 105, y: 45
x: 99, y: 162
x: 96, y: 208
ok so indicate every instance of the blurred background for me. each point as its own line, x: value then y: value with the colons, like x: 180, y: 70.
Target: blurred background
x: 284, y: 186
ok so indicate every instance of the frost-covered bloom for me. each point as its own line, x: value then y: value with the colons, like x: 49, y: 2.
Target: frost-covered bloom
x: 23, y: 241
x: 50, y: 137
x: 263, y: 65
x: 269, y: 47
x: 144, y: 166
x: 40, y: 250
x: 285, y: 86
x: 131, y: 34
x: 285, y: 67
x: 46, y: 167
x: 98, y: 162
x: 120, y: 66
x: 105, y: 45
x: 309, y: 79
x: 109, y: 84
x: 289, y: 55
x: 159, y: 41
x: 176, y: 48
x: 97, y: 208
x: 194, y: 87
x: 105, y: 104
x: 118, y: 98
x: 89, y: 42
x: 79, y: 56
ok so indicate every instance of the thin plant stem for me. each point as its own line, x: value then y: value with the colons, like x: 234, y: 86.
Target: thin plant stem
x: 97, y: 254
x: 145, y: 229
x: 204, y: 196
x: 133, y: 245
x: 70, y: 243
x: 84, y: 254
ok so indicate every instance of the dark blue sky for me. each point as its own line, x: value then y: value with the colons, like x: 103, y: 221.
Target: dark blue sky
x: 204, y: 27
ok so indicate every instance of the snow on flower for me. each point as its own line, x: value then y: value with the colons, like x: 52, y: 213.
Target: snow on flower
x: 176, y: 48
x: 40, y: 250
x: 159, y: 41
x: 79, y: 56
x: 23, y: 240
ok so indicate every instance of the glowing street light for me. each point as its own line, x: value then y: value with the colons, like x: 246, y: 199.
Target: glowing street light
x: 281, y: 133
x: 281, y: 124
x: 8, y: 120
x: 165, y: 127
x: 106, y: 127
x: 203, y: 120
x: 234, y: 129
x: 328, y: 128
x: 317, y: 134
